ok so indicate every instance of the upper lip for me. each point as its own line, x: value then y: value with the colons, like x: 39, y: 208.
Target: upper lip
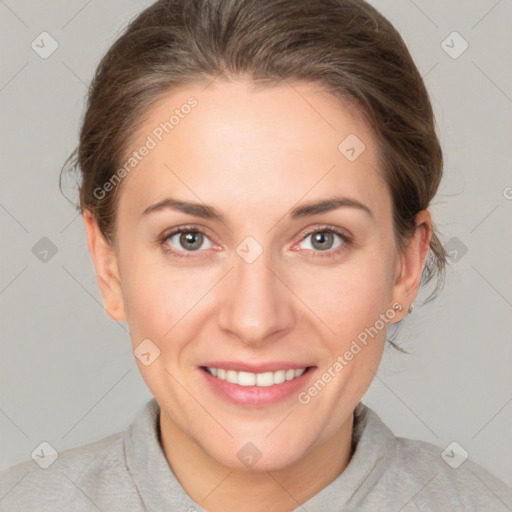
x: 256, y: 368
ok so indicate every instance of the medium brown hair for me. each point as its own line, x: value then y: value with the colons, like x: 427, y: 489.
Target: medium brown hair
x: 346, y: 46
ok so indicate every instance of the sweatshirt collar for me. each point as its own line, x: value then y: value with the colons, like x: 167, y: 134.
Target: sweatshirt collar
x: 159, y: 488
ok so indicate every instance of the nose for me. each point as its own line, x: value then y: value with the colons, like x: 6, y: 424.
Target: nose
x: 256, y: 305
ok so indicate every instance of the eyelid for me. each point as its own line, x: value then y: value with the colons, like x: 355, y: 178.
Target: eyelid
x: 346, y: 240
x: 326, y: 227
x: 193, y: 228
x: 344, y: 234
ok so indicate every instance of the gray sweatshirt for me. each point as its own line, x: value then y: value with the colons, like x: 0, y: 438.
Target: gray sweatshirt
x: 128, y: 471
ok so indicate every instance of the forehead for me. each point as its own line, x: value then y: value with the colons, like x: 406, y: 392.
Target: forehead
x: 247, y: 146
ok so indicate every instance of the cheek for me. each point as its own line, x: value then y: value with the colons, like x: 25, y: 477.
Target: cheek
x: 155, y: 306
x: 165, y: 303
x: 350, y: 297
x: 154, y: 295
x: 160, y: 299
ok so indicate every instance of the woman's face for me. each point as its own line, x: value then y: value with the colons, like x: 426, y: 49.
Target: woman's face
x: 265, y: 282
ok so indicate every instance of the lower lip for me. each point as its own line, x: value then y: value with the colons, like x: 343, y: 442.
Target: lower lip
x: 256, y: 396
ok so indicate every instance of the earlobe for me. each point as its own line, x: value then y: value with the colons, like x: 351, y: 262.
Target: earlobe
x: 412, y: 261
x: 105, y: 264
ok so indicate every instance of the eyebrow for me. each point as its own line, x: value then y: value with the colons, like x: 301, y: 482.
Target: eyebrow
x: 306, y: 210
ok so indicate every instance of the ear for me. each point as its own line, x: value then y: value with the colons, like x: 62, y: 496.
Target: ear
x: 107, y: 271
x: 412, y: 261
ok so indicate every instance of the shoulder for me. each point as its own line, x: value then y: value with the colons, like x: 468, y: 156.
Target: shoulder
x: 73, y: 480
x: 452, y: 475
x: 422, y: 476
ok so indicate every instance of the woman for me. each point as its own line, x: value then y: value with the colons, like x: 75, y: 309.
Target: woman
x: 256, y: 178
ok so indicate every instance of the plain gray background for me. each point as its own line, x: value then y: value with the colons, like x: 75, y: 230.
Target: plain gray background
x: 68, y: 375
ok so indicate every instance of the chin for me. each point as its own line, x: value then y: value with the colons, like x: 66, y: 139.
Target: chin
x: 258, y: 455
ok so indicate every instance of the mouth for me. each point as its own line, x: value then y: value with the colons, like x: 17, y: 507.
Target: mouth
x: 262, y: 379
x: 264, y: 386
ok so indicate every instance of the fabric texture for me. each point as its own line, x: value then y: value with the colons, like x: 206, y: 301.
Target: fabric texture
x: 128, y: 471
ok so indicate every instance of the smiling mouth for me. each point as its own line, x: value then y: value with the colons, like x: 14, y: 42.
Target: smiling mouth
x: 264, y: 379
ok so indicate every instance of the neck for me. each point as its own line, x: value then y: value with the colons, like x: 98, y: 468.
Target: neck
x: 218, y: 488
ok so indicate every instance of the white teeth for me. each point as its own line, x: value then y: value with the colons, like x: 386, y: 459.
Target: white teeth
x: 255, y: 379
x: 231, y: 376
x: 279, y: 376
x: 245, y: 378
x: 265, y: 379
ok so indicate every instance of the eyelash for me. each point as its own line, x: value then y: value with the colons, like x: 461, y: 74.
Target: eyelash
x: 346, y: 241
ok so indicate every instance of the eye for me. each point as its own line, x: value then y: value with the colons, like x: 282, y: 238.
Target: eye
x: 185, y: 239
x: 328, y: 240
x: 191, y: 239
